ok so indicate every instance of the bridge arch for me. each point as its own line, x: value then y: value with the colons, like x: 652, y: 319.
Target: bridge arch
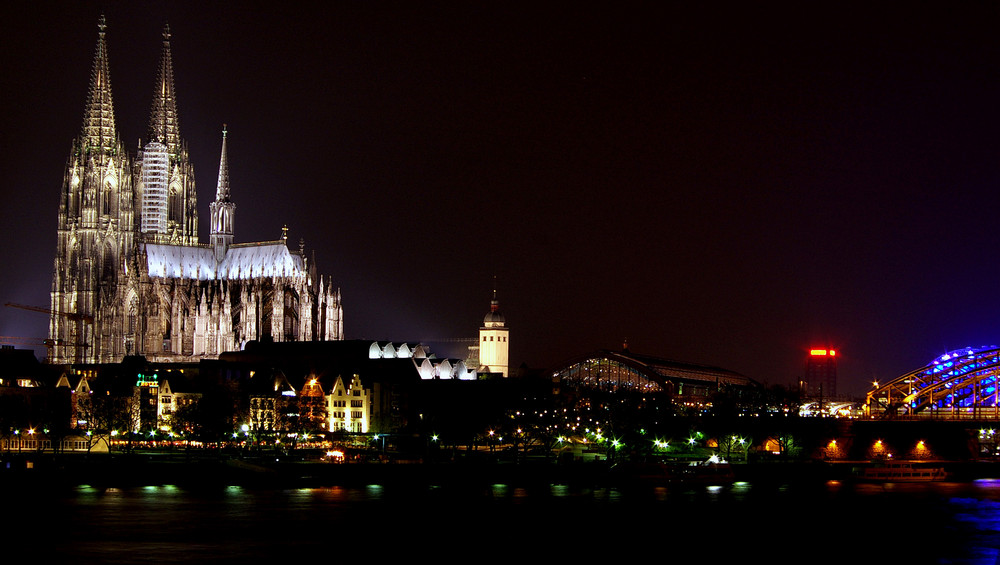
x: 961, y: 384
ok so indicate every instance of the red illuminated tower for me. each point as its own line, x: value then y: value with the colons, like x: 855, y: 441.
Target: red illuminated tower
x: 820, y: 379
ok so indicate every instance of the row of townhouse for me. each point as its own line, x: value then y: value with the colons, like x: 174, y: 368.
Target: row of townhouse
x: 354, y: 386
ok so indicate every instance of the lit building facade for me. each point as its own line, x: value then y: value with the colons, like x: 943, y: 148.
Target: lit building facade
x: 354, y: 386
x: 820, y: 378
x: 349, y: 406
x: 130, y: 276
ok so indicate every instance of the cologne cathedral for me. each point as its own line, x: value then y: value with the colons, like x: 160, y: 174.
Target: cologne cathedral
x: 130, y: 275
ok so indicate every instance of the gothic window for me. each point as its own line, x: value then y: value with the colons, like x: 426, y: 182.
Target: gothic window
x: 266, y: 309
x: 166, y: 332
x: 132, y: 319
x: 109, y: 264
x: 291, y: 311
x: 175, y: 205
x: 108, y: 193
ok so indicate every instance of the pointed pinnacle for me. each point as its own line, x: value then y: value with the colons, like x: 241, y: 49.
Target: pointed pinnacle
x: 163, y: 122
x: 222, y: 189
x: 99, y: 118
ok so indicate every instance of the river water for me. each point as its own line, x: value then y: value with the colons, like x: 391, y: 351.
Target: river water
x: 815, y: 522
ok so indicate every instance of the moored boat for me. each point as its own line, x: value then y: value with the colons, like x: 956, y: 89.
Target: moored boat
x: 903, y: 472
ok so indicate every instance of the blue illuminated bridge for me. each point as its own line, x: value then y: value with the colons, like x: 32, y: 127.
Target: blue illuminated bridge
x: 960, y: 384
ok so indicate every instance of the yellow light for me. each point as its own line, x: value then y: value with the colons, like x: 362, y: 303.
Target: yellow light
x: 817, y: 352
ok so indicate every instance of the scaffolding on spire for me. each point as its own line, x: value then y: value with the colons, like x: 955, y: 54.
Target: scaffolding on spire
x: 163, y: 122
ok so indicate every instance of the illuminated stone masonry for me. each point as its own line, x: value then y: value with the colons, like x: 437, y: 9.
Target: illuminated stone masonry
x: 131, y: 278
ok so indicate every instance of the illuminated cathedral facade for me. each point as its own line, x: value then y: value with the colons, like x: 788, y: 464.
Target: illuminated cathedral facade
x: 130, y: 276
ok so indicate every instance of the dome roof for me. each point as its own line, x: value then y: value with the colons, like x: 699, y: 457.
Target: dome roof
x: 493, y: 317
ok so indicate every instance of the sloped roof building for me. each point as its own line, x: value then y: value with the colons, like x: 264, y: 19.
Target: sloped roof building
x: 613, y: 371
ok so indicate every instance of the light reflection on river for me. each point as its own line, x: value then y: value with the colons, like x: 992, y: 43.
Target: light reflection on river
x: 820, y: 522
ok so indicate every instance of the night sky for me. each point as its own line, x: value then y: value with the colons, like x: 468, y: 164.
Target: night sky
x: 729, y: 185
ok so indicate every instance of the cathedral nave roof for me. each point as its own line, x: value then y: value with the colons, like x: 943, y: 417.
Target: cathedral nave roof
x: 241, y: 261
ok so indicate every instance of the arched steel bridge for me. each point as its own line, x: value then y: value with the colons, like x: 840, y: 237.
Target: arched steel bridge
x: 961, y: 384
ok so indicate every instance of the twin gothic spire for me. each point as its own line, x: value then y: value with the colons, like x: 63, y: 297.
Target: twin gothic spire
x: 99, y: 115
x: 100, y: 135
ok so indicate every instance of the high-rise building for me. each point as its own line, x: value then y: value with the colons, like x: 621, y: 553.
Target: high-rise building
x: 130, y: 276
x: 820, y: 378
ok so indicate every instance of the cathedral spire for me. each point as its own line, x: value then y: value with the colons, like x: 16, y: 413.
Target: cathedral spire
x: 163, y: 126
x: 223, y: 209
x: 222, y: 190
x: 99, y: 115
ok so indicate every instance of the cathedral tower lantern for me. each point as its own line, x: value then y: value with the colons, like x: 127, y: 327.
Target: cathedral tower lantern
x: 493, y: 352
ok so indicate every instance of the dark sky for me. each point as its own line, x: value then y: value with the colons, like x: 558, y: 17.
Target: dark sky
x: 728, y: 185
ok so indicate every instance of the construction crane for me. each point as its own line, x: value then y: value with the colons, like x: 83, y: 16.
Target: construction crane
x: 80, y: 319
x: 18, y: 340
x: 69, y: 315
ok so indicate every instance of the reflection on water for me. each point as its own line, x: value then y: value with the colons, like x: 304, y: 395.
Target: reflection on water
x: 918, y: 523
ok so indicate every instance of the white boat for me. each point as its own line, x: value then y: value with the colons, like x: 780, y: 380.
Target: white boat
x: 903, y: 472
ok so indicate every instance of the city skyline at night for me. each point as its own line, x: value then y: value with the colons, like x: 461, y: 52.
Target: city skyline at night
x: 725, y: 186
